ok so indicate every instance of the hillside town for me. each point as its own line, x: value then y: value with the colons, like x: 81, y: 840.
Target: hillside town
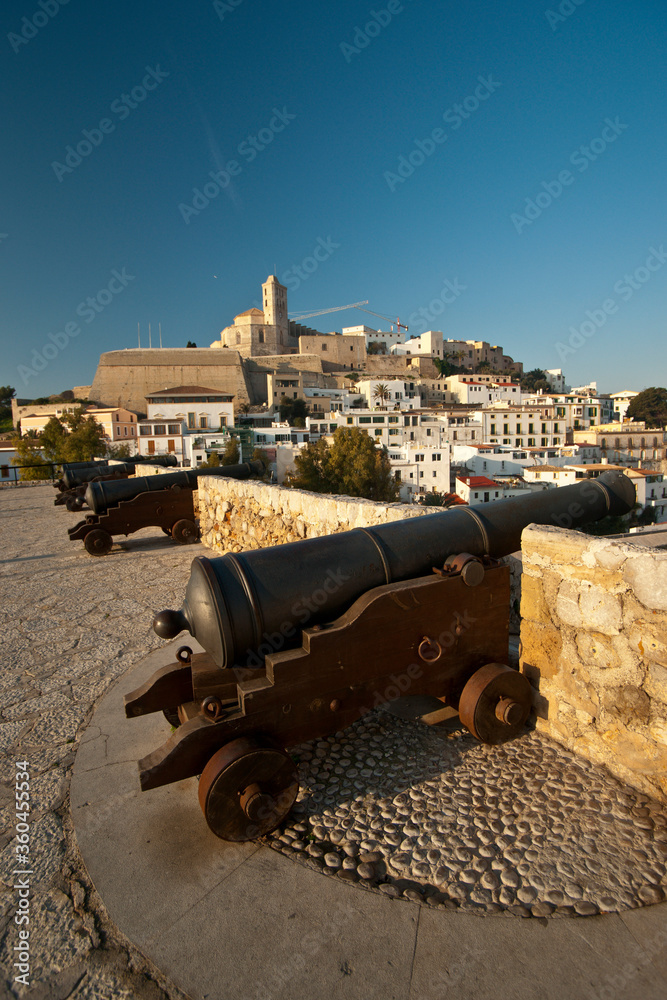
x: 461, y: 421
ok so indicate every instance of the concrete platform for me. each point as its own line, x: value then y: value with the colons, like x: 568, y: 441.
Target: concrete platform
x: 235, y: 922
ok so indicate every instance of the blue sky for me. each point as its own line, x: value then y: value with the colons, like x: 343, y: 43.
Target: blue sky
x: 516, y: 151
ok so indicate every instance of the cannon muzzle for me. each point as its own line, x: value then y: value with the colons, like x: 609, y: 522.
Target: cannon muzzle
x: 102, y: 496
x: 238, y: 603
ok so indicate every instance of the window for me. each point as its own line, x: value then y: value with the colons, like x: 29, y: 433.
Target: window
x: 378, y: 431
x: 191, y: 421
x: 145, y: 429
x: 173, y: 428
x: 364, y: 420
x: 378, y: 420
x: 159, y: 429
x: 350, y: 420
x: 223, y: 420
x: 261, y: 336
x: 125, y: 431
x: 393, y: 431
x: 394, y: 420
x: 324, y: 347
x: 203, y: 422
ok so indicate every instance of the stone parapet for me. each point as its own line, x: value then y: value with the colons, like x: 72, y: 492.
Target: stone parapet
x: 594, y: 646
x: 238, y: 515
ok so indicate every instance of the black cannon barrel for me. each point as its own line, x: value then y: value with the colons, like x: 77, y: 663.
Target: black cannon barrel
x: 240, y: 604
x: 93, y: 470
x: 101, y: 496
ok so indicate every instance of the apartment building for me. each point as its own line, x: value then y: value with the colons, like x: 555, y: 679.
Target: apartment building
x: 621, y: 401
x: 470, y: 390
x: 522, y: 426
x: 578, y: 412
x: 400, y: 394
x: 120, y: 425
x: 336, y: 350
x: 179, y: 415
x: 428, y: 344
x: 378, y: 341
x: 420, y: 469
x: 624, y: 443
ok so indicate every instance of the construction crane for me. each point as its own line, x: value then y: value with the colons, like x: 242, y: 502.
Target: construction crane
x: 297, y: 317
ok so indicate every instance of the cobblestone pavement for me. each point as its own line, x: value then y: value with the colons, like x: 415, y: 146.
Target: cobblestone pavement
x: 71, y: 624
x: 395, y: 806
x: 432, y: 815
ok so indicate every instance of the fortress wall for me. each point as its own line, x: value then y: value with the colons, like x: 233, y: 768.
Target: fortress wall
x: 124, y: 377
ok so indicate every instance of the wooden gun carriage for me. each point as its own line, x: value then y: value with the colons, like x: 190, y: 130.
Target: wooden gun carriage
x: 166, y: 502
x: 303, y: 639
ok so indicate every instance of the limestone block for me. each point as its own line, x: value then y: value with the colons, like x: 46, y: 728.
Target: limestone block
x: 540, y: 650
x: 597, y: 650
x: 609, y: 555
x: 601, y: 610
x: 646, y: 572
x: 533, y: 605
x: 553, y: 545
x: 655, y: 684
x: 630, y: 705
x: 649, y: 640
x: 658, y: 731
x: 567, y: 604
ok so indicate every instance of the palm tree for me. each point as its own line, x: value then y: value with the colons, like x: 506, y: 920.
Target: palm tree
x: 381, y: 392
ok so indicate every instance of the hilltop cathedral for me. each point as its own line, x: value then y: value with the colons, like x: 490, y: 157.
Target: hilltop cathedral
x: 258, y: 332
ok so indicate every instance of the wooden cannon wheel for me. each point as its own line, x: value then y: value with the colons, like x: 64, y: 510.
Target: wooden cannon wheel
x: 495, y: 703
x: 98, y: 542
x: 185, y: 532
x: 247, y: 788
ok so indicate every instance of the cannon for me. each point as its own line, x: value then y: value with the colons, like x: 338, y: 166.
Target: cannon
x: 76, y: 476
x: 164, y: 501
x: 301, y: 640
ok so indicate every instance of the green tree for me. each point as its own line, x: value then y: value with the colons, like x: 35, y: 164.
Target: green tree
x: 232, y: 454
x: 7, y: 393
x: 294, y: 411
x: 534, y: 380
x: 118, y: 451
x: 190, y: 343
x: 29, y: 452
x: 651, y: 406
x: 213, y: 461
x: 352, y: 466
x: 74, y: 437
x: 443, y: 366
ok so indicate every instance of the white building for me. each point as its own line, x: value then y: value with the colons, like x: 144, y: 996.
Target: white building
x: 468, y: 389
x: 180, y: 416
x: 420, y: 469
x: 401, y: 395
x: 479, y: 489
x: 556, y: 379
x: 429, y: 344
x: 621, y: 401
x: 385, y: 340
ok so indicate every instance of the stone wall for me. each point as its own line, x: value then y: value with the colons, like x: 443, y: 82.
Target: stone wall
x: 594, y: 646
x: 237, y: 515
x: 124, y: 377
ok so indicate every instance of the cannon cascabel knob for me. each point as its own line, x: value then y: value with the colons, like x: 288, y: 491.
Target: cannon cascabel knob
x: 169, y: 623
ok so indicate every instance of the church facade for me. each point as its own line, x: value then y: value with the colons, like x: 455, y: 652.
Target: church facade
x: 261, y: 332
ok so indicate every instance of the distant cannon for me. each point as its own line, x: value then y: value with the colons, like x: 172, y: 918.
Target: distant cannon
x: 75, y: 477
x: 164, y: 501
x: 303, y: 639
